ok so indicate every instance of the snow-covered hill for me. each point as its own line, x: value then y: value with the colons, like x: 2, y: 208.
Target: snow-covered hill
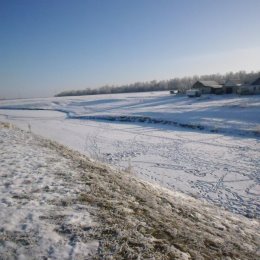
x: 57, y: 204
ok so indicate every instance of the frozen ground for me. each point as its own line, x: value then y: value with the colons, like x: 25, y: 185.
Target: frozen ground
x: 56, y: 204
x: 217, y: 162
x: 40, y: 217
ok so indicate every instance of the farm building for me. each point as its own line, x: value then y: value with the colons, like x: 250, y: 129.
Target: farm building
x: 249, y: 90
x: 252, y: 89
x: 256, y: 82
x: 231, y: 86
x: 256, y: 86
x: 208, y: 87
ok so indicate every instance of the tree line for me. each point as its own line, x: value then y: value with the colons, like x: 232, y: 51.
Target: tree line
x: 180, y: 84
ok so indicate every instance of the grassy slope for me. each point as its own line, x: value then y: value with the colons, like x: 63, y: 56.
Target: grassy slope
x: 146, y: 221
x: 141, y: 221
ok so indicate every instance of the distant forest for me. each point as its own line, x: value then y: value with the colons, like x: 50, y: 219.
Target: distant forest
x: 180, y: 84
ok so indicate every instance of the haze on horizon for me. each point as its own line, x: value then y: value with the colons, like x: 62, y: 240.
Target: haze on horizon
x: 50, y: 46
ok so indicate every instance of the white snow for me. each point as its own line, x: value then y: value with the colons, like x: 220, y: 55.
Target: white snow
x: 219, y: 163
x: 35, y: 184
x: 46, y: 194
x: 223, y: 113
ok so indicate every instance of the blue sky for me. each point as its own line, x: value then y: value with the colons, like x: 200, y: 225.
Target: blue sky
x: 47, y: 46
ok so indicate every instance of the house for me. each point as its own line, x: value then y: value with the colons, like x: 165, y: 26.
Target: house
x: 252, y: 89
x: 256, y: 82
x: 208, y: 87
x: 246, y: 90
x: 231, y: 86
x: 256, y: 86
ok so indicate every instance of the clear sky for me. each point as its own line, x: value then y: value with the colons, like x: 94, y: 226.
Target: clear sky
x: 47, y: 46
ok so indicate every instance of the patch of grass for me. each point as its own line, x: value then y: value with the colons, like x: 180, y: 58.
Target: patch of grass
x: 5, y: 125
x: 139, y: 221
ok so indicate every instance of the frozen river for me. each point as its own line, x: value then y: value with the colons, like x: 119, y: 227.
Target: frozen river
x: 222, y: 169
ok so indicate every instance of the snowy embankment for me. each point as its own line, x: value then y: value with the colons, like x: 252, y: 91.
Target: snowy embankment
x: 39, y: 202
x: 56, y: 204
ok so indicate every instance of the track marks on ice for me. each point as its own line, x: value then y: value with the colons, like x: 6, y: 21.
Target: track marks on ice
x: 226, y: 175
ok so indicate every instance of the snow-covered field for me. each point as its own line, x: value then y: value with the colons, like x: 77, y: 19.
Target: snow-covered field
x: 207, y: 147
x: 229, y: 114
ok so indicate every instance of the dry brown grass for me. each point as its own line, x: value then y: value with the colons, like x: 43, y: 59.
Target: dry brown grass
x: 140, y: 221
x: 6, y: 125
